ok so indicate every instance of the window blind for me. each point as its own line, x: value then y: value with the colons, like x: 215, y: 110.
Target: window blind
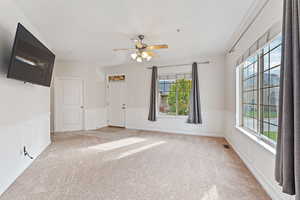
x: 261, y: 42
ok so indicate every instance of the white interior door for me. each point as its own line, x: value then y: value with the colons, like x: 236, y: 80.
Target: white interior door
x: 116, y: 102
x: 68, y: 104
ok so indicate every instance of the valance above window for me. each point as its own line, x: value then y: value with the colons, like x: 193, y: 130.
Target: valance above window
x: 261, y: 42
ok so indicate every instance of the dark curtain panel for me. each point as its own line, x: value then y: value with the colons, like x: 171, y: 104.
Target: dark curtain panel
x: 287, y: 171
x: 195, y: 107
x: 152, y: 109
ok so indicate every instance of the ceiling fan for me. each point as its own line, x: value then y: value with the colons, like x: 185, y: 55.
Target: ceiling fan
x: 142, y: 51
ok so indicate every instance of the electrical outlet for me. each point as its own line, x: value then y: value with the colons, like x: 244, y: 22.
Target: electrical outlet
x: 26, y: 154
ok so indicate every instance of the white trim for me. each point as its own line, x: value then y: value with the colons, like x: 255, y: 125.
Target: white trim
x: 265, y: 183
x: 252, y: 136
x: 218, y: 135
x: 172, y: 116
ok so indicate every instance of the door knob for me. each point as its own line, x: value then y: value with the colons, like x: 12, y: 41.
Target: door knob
x: 81, y: 107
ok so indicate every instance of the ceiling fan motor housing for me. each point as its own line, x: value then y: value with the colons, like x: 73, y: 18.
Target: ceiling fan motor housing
x: 141, y: 37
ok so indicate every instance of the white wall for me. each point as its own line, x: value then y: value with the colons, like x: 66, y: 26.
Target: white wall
x: 259, y: 160
x: 94, y: 90
x: 211, y: 80
x: 24, y: 108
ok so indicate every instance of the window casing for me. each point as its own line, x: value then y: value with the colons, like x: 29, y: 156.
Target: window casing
x: 174, y: 94
x: 259, y: 92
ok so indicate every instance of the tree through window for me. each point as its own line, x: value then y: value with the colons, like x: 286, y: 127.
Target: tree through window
x: 174, y: 94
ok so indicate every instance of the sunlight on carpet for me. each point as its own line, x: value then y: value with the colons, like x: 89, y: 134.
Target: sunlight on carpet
x: 115, y: 144
x: 144, y: 148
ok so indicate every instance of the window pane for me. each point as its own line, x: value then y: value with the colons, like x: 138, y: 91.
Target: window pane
x: 175, y: 94
x: 273, y: 114
x: 266, y: 62
x: 250, y: 97
x: 248, y: 122
x: 274, y: 96
x: 265, y: 96
x: 167, y: 90
x: 265, y: 129
x: 275, y: 76
x: 266, y: 79
x: 251, y: 60
x: 250, y: 110
x: 252, y: 70
x: 255, y: 128
x: 265, y: 113
x: 273, y: 132
x: 266, y: 49
x: 161, y: 85
x: 276, y: 42
x: 275, y: 57
x: 245, y: 73
x: 250, y: 83
x: 183, y: 91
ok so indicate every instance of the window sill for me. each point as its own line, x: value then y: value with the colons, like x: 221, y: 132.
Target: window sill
x: 171, y: 117
x: 252, y: 136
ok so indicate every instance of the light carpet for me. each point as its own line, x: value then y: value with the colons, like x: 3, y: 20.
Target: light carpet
x: 121, y: 164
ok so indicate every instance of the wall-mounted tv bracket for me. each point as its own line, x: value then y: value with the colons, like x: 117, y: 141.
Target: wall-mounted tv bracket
x: 26, y: 154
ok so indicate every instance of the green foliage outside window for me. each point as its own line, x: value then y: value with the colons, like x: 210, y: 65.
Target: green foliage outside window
x: 179, y: 96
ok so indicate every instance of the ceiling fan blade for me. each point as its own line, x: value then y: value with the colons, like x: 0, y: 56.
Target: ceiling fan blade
x: 150, y: 53
x: 153, y: 47
x: 124, y: 49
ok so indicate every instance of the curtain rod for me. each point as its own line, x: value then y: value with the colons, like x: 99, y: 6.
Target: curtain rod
x: 248, y: 27
x: 179, y: 65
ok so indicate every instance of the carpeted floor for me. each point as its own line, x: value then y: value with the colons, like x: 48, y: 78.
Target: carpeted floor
x: 120, y: 164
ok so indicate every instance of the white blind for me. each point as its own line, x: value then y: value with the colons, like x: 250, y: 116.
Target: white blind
x: 261, y: 42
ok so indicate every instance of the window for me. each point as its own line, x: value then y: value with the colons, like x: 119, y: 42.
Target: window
x: 174, y: 94
x: 250, y: 93
x: 260, y: 78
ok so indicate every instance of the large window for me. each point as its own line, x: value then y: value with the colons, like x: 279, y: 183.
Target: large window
x: 174, y: 94
x: 260, y: 92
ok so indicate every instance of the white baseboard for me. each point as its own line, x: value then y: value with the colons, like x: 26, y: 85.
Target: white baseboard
x: 264, y: 182
x: 94, y: 118
x: 101, y: 125
x: 181, y: 132
x: 35, y: 136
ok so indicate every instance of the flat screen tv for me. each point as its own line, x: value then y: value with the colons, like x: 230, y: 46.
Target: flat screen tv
x: 30, y: 61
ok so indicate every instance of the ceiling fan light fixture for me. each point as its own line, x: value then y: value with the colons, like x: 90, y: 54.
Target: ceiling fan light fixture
x: 149, y: 58
x: 139, y: 59
x: 145, y: 54
x: 134, y: 56
x: 142, y: 51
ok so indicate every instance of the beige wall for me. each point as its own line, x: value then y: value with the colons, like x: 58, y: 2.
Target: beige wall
x: 259, y: 160
x: 24, y: 108
x: 211, y: 81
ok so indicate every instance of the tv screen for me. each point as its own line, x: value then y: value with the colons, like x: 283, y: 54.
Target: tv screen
x: 31, y: 61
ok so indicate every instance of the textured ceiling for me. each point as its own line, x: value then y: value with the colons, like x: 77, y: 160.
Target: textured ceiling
x: 87, y: 31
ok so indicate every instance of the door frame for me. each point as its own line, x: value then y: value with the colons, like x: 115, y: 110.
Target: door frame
x: 107, y: 96
x: 55, y: 80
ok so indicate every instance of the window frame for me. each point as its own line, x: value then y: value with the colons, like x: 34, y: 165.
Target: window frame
x: 177, y: 77
x: 260, y: 92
